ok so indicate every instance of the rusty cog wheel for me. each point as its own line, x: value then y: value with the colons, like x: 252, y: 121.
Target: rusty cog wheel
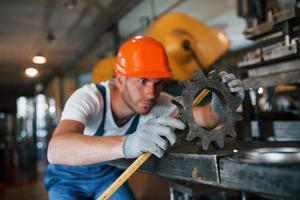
x: 229, y: 104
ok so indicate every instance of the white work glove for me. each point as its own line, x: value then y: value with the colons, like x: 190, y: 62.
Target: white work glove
x: 235, y: 86
x: 155, y: 136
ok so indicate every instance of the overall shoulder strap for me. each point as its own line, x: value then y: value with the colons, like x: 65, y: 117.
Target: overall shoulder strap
x: 100, y: 130
x: 133, y: 125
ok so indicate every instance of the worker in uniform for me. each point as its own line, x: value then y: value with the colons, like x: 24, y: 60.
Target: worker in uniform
x: 120, y: 118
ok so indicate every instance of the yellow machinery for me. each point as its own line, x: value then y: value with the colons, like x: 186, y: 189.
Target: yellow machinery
x: 103, y: 70
x: 173, y: 28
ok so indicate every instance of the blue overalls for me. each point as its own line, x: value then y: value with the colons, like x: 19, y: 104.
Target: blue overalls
x: 88, y: 181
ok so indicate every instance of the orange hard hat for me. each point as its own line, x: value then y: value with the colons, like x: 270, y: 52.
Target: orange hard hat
x: 142, y: 57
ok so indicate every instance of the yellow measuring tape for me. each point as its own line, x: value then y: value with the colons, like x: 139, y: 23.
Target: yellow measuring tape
x: 200, y: 97
x: 124, y: 176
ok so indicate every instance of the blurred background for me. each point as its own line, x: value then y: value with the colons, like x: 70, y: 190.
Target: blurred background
x: 49, y: 48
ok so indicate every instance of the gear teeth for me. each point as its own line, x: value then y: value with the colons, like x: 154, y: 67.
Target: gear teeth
x: 220, y: 142
x: 213, y: 83
x: 190, y: 137
x: 231, y: 132
x: 237, y: 117
x: 205, y: 143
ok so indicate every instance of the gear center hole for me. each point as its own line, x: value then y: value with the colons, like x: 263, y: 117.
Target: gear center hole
x: 207, y: 110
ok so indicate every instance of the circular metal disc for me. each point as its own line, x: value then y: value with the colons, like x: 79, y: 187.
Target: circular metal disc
x: 280, y: 155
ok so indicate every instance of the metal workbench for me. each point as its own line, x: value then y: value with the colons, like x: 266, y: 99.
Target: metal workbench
x: 221, y: 169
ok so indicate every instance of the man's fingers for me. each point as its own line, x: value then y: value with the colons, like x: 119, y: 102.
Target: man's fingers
x: 162, y: 143
x: 239, y: 91
x: 163, y: 131
x: 236, y: 89
x: 222, y: 73
x: 169, y: 135
x: 171, y: 122
x: 157, y: 152
x: 210, y: 73
x: 234, y: 83
x: 228, y: 77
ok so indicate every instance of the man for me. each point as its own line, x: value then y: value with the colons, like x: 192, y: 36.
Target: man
x: 122, y: 118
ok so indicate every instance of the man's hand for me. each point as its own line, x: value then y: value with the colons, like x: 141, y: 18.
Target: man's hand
x: 235, y: 86
x: 155, y: 136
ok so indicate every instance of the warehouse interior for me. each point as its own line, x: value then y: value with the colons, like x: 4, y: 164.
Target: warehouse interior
x: 48, y: 49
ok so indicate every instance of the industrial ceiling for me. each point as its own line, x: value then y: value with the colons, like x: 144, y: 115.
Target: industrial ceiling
x: 62, y: 31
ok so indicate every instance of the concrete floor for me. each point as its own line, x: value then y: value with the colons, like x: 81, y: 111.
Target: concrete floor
x: 34, y: 190
x: 145, y: 187
x: 27, y: 189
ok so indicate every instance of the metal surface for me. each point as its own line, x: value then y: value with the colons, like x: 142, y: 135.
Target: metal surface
x: 272, y: 80
x: 281, y: 181
x: 271, y: 24
x: 271, y: 53
x: 280, y: 50
x: 277, y: 31
x: 286, y: 72
x: 279, y: 156
x: 282, y: 67
x: 229, y: 103
x: 251, y: 58
x: 190, y: 167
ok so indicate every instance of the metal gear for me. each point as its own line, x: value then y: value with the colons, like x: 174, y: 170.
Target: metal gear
x: 229, y: 104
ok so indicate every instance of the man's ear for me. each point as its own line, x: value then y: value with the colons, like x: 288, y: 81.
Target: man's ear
x: 120, y: 80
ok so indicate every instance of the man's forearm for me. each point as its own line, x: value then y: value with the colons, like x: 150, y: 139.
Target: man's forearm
x: 78, y: 149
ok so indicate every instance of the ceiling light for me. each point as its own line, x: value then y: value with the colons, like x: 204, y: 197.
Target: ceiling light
x: 31, y: 72
x: 39, y: 59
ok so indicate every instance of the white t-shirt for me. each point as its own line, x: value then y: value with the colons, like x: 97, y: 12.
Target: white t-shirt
x: 86, y: 106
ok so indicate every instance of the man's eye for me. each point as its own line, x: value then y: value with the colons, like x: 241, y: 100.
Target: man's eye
x: 143, y: 81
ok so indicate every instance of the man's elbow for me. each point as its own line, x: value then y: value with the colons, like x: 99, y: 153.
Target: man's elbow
x: 52, y: 155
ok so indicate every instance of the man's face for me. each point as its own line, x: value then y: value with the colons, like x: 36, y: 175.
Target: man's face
x: 141, y: 94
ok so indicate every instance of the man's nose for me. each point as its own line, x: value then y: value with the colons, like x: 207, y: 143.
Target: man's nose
x: 150, y: 91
